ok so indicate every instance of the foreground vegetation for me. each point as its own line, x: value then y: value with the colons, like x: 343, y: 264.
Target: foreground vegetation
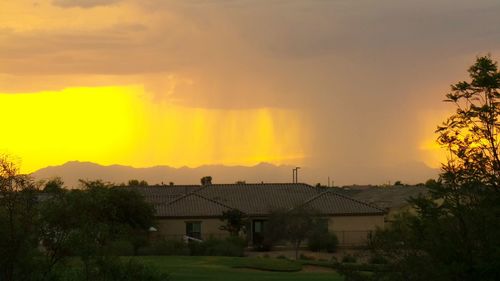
x: 189, y: 268
x: 41, y: 232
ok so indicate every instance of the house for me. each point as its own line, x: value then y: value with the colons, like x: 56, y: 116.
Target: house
x: 195, y: 210
x: 393, y: 199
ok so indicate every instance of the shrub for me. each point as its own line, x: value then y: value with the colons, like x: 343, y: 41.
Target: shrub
x: 331, y: 243
x: 323, y: 241
x: 378, y: 259
x: 264, y: 246
x: 224, y: 248
x: 237, y: 241
x: 307, y: 258
x: 165, y: 248
x: 230, y: 247
x: 349, y: 259
x: 107, y: 268
x: 264, y: 243
x: 116, y: 269
x: 121, y: 248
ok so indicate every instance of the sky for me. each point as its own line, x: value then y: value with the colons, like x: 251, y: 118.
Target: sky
x: 352, y: 90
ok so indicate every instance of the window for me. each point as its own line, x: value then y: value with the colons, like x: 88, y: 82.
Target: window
x: 193, y: 229
x: 258, y: 229
x: 258, y: 226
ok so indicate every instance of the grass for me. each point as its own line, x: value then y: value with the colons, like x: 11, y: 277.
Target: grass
x: 187, y: 268
x: 327, y: 264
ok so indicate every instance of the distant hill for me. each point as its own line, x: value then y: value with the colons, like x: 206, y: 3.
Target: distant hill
x: 71, y: 172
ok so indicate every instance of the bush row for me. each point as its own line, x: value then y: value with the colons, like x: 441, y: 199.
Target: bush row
x: 323, y: 241
x: 232, y: 247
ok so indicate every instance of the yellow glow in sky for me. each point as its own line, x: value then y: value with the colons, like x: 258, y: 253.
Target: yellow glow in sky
x: 123, y: 125
x: 431, y: 153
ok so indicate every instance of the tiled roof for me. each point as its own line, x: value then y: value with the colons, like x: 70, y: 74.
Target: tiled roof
x: 331, y: 203
x: 164, y: 194
x: 385, y: 197
x: 191, y: 205
x: 252, y: 199
x: 259, y: 199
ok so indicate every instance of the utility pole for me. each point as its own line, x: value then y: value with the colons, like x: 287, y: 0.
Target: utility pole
x: 296, y: 175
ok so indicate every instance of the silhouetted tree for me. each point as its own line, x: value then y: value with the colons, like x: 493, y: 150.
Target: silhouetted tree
x: 18, y: 223
x: 54, y: 185
x: 87, y: 221
x: 294, y: 226
x: 235, y: 221
x: 206, y: 180
x: 137, y: 183
x: 454, y: 235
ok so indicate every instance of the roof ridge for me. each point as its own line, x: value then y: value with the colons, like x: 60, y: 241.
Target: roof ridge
x: 356, y: 200
x: 315, y: 197
x: 193, y: 193
x: 214, y: 201
x: 181, y: 197
x: 342, y: 196
x: 309, y: 200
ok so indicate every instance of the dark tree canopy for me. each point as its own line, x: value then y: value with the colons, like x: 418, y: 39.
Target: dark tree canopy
x: 54, y: 185
x: 18, y: 222
x: 138, y: 183
x: 294, y: 226
x: 206, y: 180
x: 83, y: 223
x: 454, y: 233
x: 235, y: 221
x: 471, y: 135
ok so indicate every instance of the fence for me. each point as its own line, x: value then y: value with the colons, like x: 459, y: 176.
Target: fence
x: 353, y: 238
x: 346, y: 238
x: 181, y: 237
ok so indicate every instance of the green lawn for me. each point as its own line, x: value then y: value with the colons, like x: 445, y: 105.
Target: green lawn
x: 188, y: 268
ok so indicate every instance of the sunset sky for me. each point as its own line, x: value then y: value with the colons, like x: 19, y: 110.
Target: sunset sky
x: 349, y: 89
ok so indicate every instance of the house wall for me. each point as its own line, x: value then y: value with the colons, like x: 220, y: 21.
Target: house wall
x: 176, y: 228
x: 350, y: 230
x: 354, y: 230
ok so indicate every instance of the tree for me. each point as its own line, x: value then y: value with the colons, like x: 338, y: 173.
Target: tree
x: 81, y: 223
x: 54, y: 185
x: 18, y: 221
x: 207, y: 180
x: 471, y: 135
x: 293, y: 225
x: 300, y: 224
x: 235, y: 221
x: 454, y: 234
x: 137, y: 183
x: 87, y: 221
